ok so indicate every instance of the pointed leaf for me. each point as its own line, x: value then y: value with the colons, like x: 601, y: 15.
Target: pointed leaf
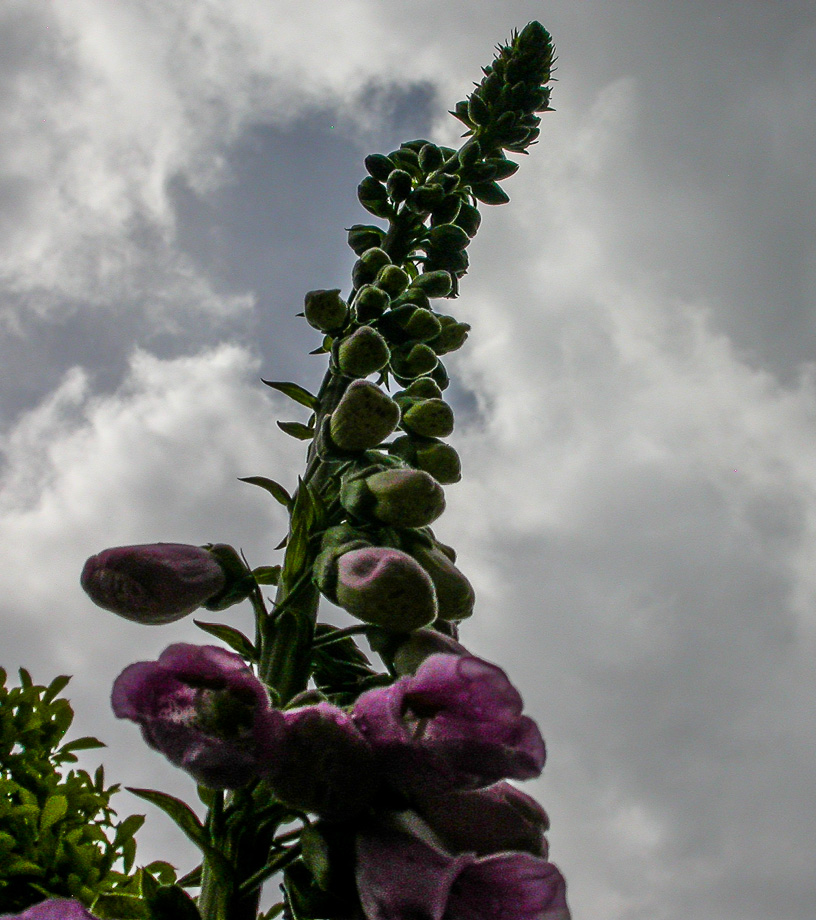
x: 294, y: 391
x: 297, y: 430
x: 57, y: 685
x: 184, y: 816
x: 267, y: 574
x: 87, y: 743
x: 234, y: 638
x: 54, y: 810
x: 275, y: 489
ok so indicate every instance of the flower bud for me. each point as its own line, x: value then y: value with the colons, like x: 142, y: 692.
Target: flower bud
x: 421, y: 644
x: 422, y: 387
x: 440, y: 460
x: 398, y: 185
x: 402, y: 498
x: 430, y: 157
x: 385, y: 587
x: 364, y: 236
x: 374, y: 198
x: 452, y: 335
x: 392, y: 279
x: 370, y: 303
x: 153, y: 583
x: 366, y: 267
x: 448, y: 238
x: 447, y: 211
x: 429, y: 418
x: 415, y: 296
x: 468, y: 219
x: 364, y: 417
x: 435, y: 284
x: 425, y: 198
x: 379, y: 166
x: 454, y: 593
x: 420, y: 359
x: 326, y: 310
x: 422, y: 325
x: 363, y: 352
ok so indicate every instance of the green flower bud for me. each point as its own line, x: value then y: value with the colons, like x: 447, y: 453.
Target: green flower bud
x: 490, y: 192
x: 448, y: 237
x: 423, y: 387
x: 406, y: 158
x: 451, y: 336
x: 434, y: 284
x: 421, y: 359
x: 368, y: 265
x: 392, y: 279
x: 471, y: 153
x: 364, y: 417
x: 454, y: 593
x: 447, y: 211
x: 429, y: 418
x: 401, y: 498
x: 370, y: 303
x: 379, y: 166
x: 504, y: 168
x: 385, y: 587
x: 430, y: 158
x: 324, y: 568
x: 326, y: 310
x: 440, y: 460
x: 399, y: 185
x: 364, y: 236
x: 468, y: 219
x: 374, y: 198
x: 409, y: 654
x: 478, y: 111
x: 363, y: 352
x: 415, y: 296
x: 425, y: 198
x: 440, y: 376
x: 422, y: 325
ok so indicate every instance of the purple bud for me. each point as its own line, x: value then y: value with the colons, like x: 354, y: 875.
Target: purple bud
x: 53, y: 909
x: 385, y: 587
x: 153, y: 583
x: 204, y: 709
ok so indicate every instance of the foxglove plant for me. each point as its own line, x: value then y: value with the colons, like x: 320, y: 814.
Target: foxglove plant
x: 395, y: 780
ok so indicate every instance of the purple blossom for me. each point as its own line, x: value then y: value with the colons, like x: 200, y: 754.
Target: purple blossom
x: 456, y: 724
x: 485, y: 821
x: 324, y: 764
x: 153, y: 583
x: 203, y: 708
x: 53, y: 909
x: 404, y: 871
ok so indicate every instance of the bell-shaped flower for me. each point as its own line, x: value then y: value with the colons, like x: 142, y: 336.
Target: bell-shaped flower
x: 324, y: 764
x: 153, y: 583
x: 53, y: 909
x: 485, y: 821
x: 402, y: 870
x: 204, y: 709
x: 456, y: 724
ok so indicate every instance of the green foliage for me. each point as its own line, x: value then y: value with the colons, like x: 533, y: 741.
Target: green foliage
x: 58, y: 833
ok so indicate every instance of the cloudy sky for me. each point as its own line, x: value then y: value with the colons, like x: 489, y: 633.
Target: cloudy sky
x: 636, y: 406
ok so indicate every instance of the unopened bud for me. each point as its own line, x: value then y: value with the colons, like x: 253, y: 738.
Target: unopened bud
x: 364, y: 417
x: 370, y: 303
x: 435, y: 283
x: 392, y: 279
x: 363, y: 352
x: 413, y: 650
x: 430, y: 418
x: 422, y: 325
x: 385, y: 587
x: 326, y: 310
x: 448, y: 238
x: 439, y: 459
x: 153, y: 583
x: 364, y: 236
x: 423, y: 387
x: 402, y: 498
x: 454, y: 593
x: 420, y: 359
x: 398, y: 185
x: 452, y: 335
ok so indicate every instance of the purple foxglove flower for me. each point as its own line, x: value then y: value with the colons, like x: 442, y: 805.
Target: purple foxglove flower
x: 53, y: 909
x: 403, y: 871
x: 204, y: 709
x: 153, y: 583
x: 456, y: 724
x: 324, y: 764
x: 485, y: 821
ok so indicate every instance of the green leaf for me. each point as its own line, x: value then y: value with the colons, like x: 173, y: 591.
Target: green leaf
x: 120, y: 907
x: 57, y: 685
x: 267, y: 574
x: 297, y: 430
x: 180, y: 812
x: 54, y: 810
x: 490, y: 193
x: 233, y: 637
x: 294, y: 391
x: 192, y: 879
x: 275, y: 489
x: 86, y: 743
x: 128, y: 828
